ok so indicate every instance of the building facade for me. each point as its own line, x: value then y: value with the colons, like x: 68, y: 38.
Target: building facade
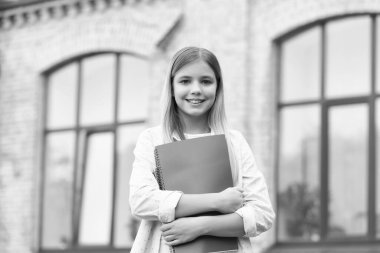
x: 79, y: 80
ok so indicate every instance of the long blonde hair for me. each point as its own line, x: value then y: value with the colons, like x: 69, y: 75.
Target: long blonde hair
x: 217, y: 120
x: 170, y: 118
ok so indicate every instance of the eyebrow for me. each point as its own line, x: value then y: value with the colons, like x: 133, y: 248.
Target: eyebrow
x: 200, y: 77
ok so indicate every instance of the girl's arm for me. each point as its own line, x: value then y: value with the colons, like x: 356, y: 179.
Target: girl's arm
x: 227, y: 201
x: 255, y: 217
x: 148, y: 202
x: 227, y: 225
x: 187, y: 229
x: 257, y: 212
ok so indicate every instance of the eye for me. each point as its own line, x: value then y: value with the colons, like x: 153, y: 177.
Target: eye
x: 184, y: 81
x: 207, y: 81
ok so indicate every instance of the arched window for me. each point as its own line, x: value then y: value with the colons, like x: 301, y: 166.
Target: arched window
x: 96, y: 106
x: 328, y: 173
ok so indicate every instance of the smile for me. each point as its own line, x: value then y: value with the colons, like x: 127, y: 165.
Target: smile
x: 195, y: 101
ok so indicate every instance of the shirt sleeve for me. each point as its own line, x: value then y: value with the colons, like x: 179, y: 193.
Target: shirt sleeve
x: 146, y: 200
x: 257, y: 212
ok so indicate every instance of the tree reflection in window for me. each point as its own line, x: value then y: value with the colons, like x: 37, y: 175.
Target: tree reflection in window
x: 301, y: 207
x: 299, y: 173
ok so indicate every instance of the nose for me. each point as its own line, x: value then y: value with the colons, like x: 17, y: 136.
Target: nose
x: 196, y: 88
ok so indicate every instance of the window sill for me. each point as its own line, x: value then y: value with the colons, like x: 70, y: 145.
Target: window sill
x: 348, y: 247
x: 86, y: 250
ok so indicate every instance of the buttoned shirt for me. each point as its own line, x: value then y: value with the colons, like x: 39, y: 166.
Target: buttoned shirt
x: 154, y: 206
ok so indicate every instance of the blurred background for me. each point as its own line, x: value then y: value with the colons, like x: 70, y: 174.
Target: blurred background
x: 80, y: 79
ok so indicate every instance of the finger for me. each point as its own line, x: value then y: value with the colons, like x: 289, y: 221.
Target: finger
x: 169, y: 238
x: 174, y: 242
x: 167, y: 233
x: 165, y: 227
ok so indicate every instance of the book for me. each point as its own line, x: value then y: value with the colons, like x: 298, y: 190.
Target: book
x: 196, y: 166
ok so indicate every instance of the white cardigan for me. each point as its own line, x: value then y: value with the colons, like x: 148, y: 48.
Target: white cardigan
x: 155, y: 206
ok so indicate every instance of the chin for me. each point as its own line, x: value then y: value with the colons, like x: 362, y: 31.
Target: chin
x: 197, y: 113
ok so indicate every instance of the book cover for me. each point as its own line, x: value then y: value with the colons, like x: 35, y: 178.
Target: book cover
x: 196, y: 166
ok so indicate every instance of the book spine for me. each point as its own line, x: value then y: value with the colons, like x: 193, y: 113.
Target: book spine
x: 158, y: 171
x: 160, y: 179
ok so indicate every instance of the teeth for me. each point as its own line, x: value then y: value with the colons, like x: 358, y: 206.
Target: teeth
x: 195, y: 101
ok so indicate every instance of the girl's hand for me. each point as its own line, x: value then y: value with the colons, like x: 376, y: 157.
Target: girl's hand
x: 182, y: 230
x: 230, y: 200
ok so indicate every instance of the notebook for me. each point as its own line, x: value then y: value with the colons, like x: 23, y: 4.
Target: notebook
x: 195, y: 166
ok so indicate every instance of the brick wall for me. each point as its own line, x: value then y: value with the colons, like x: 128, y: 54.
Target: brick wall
x: 239, y: 32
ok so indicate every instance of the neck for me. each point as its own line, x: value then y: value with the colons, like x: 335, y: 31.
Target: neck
x: 197, y: 125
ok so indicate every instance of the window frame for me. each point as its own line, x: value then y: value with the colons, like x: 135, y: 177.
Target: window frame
x: 78, y: 130
x: 325, y: 104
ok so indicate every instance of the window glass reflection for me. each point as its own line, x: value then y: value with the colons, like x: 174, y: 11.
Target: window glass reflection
x: 378, y: 55
x: 98, y: 90
x: 134, y: 85
x: 299, y: 215
x: 96, y: 209
x: 301, y: 66
x: 62, y: 97
x: 58, y: 190
x: 126, y: 225
x: 348, y: 57
x: 378, y: 168
x: 348, y: 182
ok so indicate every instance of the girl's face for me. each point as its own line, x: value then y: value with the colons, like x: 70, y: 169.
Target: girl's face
x: 194, y: 88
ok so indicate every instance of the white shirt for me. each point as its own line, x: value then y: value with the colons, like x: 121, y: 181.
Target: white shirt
x: 155, y: 206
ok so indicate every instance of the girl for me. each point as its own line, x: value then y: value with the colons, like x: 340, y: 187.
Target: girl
x: 194, y: 107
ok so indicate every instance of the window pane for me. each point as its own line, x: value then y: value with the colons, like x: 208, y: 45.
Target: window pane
x: 348, y: 151
x: 299, y: 215
x: 126, y: 225
x: 378, y: 166
x: 96, y: 212
x: 98, y: 90
x: 301, y: 72
x: 348, y: 57
x: 62, y: 92
x: 58, y: 190
x: 134, y: 92
x: 378, y: 54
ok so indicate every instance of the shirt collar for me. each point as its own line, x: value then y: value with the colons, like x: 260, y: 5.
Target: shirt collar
x: 175, y: 135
